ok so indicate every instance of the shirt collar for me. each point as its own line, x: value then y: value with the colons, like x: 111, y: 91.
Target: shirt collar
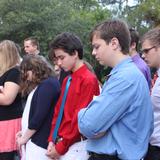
x: 120, y: 65
x: 79, y: 72
x: 158, y: 72
x: 136, y: 56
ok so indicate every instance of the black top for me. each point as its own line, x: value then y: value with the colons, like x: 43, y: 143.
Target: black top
x: 15, y: 109
x: 41, y: 111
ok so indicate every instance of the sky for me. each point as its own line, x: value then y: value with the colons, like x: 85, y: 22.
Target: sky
x: 131, y: 2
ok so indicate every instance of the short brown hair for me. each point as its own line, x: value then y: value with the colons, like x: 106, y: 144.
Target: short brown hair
x: 153, y: 36
x: 113, y: 28
x: 34, y: 41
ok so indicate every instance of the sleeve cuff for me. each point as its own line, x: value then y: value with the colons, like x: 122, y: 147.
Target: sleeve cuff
x: 60, y: 148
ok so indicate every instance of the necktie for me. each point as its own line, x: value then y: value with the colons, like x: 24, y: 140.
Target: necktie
x: 59, y: 119
x: 155, y: 76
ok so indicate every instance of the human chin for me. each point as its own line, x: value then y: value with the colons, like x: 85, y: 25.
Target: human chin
x: 65, y: 69
x: 101, y: 62
x: 148, y: 63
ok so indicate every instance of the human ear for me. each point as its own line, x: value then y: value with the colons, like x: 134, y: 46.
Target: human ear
x: 114, y: 43
x: 75, y: 53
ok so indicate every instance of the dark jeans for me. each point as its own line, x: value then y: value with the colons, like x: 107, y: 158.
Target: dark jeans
x: 153, y: 153
x: 8, y: 155
x: 106, y: 157
x: 94, y: 156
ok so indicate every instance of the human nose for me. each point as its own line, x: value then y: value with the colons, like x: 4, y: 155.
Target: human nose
x: 56, y: 67
x: 59, y: 62
x: 93, y: 52
x: 143, y: 55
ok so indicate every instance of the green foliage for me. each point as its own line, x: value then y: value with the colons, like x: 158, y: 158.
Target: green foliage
x: 151, y: 12
x: 144, y: 15
x: 45, y: 19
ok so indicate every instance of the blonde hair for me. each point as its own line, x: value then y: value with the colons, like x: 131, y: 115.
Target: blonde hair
x: 9, y: 55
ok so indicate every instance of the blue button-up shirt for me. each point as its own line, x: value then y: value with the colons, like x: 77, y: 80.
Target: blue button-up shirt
x: 120, y: 120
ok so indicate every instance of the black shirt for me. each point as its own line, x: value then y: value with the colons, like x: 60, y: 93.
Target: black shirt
x: 15, y: 109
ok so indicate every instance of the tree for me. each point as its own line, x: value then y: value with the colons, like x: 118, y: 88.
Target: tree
x: 40, y: 18
x: 45, y: 19
x: 151, y: 12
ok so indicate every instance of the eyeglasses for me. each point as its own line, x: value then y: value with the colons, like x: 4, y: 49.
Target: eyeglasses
x: 145, y: 51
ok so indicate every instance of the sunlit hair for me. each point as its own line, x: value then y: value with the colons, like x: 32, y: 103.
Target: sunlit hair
x: 113, y: 29
x: 9, y: 55
x: 40, y: 68
x: 153, y: 36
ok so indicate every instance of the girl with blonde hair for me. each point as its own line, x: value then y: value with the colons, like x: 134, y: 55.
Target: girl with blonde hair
x: 10, y: 99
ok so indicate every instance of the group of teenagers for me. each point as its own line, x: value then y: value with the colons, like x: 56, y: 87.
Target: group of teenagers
x: 120, y: 122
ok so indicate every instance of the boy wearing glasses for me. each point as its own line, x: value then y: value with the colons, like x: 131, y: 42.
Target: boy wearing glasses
x: 139, y: 62
x: 151, y: 54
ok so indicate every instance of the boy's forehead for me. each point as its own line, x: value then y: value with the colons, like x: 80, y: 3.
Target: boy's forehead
x: 59, y: 52
x: 146, y: 43
x: 27, y: 42
x: 96, y: 39
x: 96, y: 36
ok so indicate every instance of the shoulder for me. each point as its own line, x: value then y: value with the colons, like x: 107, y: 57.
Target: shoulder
x: 89, y: 78
x: 130, y: 74
x: 12, y: 75
x: 14, y: 70
x: 49, y: 83
x: 143, y: 66
x: 87, y: 74
x: 50, y: 80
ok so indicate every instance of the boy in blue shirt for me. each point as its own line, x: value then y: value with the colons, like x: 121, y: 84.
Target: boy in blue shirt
x: 118, y: 123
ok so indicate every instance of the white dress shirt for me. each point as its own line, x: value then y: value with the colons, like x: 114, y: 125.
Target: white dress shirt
x: 155, y: 97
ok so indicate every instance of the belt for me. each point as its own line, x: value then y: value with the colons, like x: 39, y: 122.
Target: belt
x: 103, y: 156
x: 154, y: 148
x: 58, y: 139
